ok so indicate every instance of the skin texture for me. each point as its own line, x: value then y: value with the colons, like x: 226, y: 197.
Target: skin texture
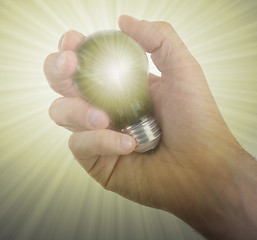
x: 199, y: 172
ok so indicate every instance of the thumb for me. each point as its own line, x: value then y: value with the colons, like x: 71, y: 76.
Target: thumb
x: 157, y: 38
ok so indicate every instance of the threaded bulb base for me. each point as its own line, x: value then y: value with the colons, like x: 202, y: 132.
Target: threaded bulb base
x: 146, y: 133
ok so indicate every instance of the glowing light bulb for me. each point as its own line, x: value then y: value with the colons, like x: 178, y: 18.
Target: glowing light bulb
x: 113, y: 75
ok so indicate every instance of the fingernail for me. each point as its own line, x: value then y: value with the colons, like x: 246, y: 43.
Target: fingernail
x: 61, y: 60
x: 126, y: 142
x: 95, y: 117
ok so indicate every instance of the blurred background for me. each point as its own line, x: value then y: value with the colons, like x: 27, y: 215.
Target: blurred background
x: 44, y: 193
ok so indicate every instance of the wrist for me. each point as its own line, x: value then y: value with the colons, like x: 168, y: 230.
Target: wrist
x: 219, y: 207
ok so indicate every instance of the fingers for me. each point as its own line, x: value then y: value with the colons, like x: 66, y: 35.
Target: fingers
x: 158, y: 38
x: 60, y: 67
x: 70, y: 40
x: 88, y: 144
x: 77, y: 115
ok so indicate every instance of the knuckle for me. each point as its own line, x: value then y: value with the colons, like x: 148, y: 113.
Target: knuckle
x: 164, y: 29
x: 164, y: 25
x: 72, y: 146
x: 63, y: 111
x: 45, y: 64
x: 52, y: 111
x: 70, y: 142
x: 71, y: 32
x: 48, y: 63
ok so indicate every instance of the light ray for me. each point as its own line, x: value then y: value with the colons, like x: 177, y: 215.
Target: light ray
x: 44, y: 192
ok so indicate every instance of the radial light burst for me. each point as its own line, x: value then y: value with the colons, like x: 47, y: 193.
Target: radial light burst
x: 113, y: 75
x: 44, y: 194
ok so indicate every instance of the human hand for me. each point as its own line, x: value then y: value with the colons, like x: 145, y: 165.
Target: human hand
x: 194, y: 159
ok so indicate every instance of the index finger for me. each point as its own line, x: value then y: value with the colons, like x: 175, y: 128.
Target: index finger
x: 59, y: 67
x: 165, y: 46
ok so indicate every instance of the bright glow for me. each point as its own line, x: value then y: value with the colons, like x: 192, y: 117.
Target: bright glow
x: 113, y: 75
x: 116, y: 72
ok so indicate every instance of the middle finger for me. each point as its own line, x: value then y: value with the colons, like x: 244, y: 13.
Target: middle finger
x: 76, y: 114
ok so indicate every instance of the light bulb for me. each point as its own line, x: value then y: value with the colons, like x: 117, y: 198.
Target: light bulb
x: 112, y: 74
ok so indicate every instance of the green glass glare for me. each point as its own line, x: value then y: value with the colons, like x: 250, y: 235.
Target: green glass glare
x: 113, y: 75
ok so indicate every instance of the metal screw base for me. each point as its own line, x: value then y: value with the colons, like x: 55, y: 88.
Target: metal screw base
x: 146, y: 133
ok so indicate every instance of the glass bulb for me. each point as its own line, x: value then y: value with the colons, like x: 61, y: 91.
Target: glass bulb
x: 112, y: 74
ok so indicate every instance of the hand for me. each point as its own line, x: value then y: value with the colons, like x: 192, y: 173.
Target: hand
x: 197, y: 156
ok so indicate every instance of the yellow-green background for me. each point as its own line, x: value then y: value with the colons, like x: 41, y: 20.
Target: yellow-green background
x: 44, y: 194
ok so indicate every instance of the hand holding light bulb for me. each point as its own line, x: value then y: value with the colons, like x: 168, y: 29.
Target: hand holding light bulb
x: 113, y: 75
x: 197, y: 159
